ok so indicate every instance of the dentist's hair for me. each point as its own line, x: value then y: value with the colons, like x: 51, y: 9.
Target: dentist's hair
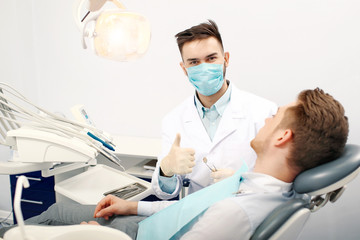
x: 199, y: 32
x: 320, y: 129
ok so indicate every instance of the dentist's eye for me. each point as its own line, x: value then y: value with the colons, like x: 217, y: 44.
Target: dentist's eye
x: 211, y: 59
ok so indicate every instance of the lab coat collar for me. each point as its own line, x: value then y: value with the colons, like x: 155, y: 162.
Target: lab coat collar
x: 227, y: 125
x: 233, y: 112
x: 234, y: 108
x: 219, y: 106
x: 237, y: 102
x: 193, y: 123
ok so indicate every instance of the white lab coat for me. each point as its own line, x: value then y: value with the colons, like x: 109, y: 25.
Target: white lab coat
x: 241, y: 120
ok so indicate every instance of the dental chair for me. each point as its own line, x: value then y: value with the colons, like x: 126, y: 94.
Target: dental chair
x: 321, y: 184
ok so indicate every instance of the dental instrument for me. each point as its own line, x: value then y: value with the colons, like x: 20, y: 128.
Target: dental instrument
x: 101, y: 141
x: 212, y: 169
x: 21, y: 120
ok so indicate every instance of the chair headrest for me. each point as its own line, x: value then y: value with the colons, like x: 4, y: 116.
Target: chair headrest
x: 330, y: 176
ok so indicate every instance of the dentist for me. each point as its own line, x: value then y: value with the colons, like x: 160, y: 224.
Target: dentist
x: 207, y: 137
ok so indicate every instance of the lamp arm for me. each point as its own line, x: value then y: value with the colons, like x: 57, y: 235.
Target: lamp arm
x: 94, y: 6
x: 85, y: 32
x: 118, y: 4
x: 78, y: 6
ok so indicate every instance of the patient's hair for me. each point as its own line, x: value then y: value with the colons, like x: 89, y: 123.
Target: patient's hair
x: 320, y: 129
x: 198, y: 32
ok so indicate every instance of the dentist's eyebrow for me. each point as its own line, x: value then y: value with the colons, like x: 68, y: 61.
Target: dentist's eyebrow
x: 197, y: 59
x: 212, y: 55
x: 192, y: 59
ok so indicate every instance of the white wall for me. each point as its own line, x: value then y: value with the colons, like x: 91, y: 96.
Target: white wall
x: 17, y: 66
x: 277, y: 48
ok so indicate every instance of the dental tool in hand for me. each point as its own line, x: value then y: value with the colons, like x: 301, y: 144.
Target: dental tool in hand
x: 212, y: 169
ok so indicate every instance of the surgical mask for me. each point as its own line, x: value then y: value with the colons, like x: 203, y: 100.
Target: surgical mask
x: 207, y: 78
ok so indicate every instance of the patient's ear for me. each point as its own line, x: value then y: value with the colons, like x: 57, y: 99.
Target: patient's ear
x: 283, y: 137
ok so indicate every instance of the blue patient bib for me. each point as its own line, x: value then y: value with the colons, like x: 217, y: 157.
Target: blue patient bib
x: 167, y: 222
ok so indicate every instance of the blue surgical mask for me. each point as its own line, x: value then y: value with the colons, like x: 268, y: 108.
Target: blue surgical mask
x: 207, y: 78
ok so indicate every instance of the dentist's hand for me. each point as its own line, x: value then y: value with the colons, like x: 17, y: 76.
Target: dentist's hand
x: 221, y: 174
x: 111, y: 205
x: 179, y: 160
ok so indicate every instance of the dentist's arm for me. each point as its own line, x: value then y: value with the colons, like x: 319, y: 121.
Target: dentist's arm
x: 179, y: 160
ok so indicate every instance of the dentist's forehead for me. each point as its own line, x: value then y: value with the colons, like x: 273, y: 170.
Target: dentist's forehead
x: 201, y: 48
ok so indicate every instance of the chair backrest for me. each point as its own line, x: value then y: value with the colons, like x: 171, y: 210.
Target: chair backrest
x: 323, y: 183
x: 284, y: 221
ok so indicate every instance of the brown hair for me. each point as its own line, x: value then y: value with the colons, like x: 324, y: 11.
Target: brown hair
x: 199, y: 32
x: 320, y: 129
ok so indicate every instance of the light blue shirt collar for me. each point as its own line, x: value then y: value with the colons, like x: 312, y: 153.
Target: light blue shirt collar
x: 219, y: 106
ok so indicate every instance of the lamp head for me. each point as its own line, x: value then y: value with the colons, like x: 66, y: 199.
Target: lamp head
x: 118, y: 34
x: 121, y: 36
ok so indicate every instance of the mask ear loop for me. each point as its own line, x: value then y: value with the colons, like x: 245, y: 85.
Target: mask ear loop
x: 224, y: 71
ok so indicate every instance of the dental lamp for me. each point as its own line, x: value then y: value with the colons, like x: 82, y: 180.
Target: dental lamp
x: 117, y: 34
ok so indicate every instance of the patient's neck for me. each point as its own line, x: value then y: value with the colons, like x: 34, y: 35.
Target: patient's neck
x: 275, y: 167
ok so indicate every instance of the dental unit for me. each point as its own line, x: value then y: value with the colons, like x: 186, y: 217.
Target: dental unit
x: 46, y: 142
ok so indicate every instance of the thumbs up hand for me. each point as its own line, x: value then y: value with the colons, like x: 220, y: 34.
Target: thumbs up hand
x: 179, y: 160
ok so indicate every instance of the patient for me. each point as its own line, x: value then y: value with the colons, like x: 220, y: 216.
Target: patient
x: 304, y: 134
